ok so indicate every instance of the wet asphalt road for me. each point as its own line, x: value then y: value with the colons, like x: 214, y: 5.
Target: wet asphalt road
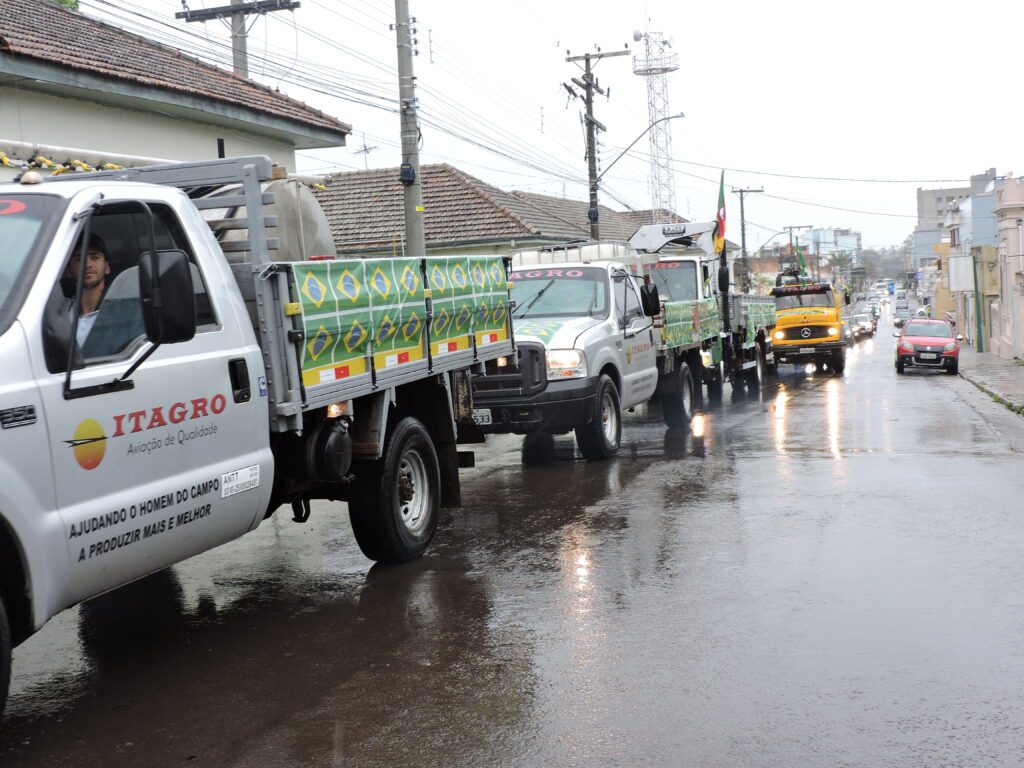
x: 825, y: 574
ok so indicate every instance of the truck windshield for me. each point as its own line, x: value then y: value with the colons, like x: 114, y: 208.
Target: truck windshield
x: 797, y: 300
x: 23, y: 219
x: 554, y: 292
x: 676, y: 280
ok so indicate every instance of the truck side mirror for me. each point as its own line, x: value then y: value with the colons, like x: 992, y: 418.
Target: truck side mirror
x: 847, y: 294
x: 168, y: 300
x: 649, y: 299
x: 723, y: 279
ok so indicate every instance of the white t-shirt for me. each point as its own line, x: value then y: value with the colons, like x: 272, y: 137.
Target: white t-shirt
x: 85, y: 323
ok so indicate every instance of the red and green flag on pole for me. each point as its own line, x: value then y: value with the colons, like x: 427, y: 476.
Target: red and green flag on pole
x: 720, y: 218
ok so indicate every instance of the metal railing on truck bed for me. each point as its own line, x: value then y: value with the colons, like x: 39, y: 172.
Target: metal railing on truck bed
x: 338, y: 329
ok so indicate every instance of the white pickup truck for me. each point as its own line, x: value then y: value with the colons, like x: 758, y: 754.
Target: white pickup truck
x: 587, y: 351
x: 214, y: 383
x: 604, y: 326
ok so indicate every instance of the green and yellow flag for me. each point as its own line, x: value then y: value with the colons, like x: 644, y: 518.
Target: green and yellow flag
x: 800, y: 259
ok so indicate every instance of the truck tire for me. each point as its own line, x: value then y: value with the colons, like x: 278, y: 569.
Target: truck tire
x: 601, y: 437
x: 839, y: 362
x: 716, y: 383
x: 677, y: 406
x: 756, y: 376
x: 538, y: 449
x: 394, y: 502
x: 5, y: 656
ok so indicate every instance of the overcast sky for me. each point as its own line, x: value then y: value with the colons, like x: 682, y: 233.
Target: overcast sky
x: 897, y: 90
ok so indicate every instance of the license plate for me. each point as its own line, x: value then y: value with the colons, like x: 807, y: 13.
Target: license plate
x: 482, y: 418
x: 807, y: 350
x: 928, y: 355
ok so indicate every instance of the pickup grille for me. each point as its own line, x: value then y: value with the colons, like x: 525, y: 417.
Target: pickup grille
x: 796, y: 333
x: 526, y: 378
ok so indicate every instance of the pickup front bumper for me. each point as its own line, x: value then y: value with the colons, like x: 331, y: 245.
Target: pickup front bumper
x: 521, y: 399
x: 556, y: 409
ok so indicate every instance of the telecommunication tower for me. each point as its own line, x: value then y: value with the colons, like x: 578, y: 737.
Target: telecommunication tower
x: 654, y: 65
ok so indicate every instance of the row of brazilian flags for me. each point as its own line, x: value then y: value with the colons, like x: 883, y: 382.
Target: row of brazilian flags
x: 358, y: 312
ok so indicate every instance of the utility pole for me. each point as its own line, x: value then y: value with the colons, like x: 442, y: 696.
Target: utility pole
x: 589, y: 86
x: 237, y: 12
x: 743, y: 237
x: 409, y: 172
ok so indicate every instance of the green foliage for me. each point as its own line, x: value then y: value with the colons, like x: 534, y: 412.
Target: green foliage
x: 72, y: 4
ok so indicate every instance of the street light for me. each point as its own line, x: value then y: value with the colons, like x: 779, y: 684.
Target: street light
x: 780, y: 232
x: 592, y: 214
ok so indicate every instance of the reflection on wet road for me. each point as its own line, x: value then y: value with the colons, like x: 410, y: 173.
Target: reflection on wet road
x: 827, y: 572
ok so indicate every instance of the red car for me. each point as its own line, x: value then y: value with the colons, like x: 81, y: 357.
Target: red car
x: 928, y: 344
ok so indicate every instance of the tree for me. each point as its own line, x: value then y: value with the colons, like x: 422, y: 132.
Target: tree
x: 72, y: 4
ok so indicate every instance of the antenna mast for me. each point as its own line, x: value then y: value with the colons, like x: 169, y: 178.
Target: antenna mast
x: 654, y: 65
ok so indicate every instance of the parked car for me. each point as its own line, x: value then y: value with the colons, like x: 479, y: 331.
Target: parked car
x: 902, y: 315
x: 863, y: 326
x: 928, y: 344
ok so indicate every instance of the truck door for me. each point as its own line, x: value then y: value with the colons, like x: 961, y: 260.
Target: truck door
x: 173, y: 463
x: 639, y: 372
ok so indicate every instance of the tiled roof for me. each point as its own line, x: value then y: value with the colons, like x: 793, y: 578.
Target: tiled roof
x: 45, y: 31
x: 365, y: 209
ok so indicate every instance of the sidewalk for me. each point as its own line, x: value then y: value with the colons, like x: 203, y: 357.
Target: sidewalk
x: 1002, y: 379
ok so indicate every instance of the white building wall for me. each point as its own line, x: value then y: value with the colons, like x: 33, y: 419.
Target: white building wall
x: 39, y: 118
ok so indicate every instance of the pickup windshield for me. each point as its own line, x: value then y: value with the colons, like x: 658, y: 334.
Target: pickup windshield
x: 555, y: 292
x: 797, y: 300
x: 23, y: 219
x: 676, y: 280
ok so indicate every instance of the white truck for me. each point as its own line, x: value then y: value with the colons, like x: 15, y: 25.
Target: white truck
x: 594, y: 338
x: 215, y: 383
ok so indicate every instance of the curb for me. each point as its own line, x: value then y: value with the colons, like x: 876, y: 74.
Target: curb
x: 1002, y: 399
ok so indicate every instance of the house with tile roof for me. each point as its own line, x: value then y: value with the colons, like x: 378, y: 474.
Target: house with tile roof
x: 463, y: 215
x: 71, y: 84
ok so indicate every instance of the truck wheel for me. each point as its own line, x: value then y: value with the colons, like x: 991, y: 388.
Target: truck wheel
x: 716, y: 384
x: 394, y: 502
x: 839, y: 361
x: 5, y: 657
x: 756, y: 375
x: 538, y: 449
x: 600, y: 438
x: 677, y: 407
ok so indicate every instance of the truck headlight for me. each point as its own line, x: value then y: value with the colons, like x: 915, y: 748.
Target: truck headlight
x: 566, y: 364
x: 950, y: 347
x: 833, y: 331
x: 780, y: 334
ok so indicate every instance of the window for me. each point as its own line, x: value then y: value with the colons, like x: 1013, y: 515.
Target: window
x: 25, y: 222
x: 633, y: 308
x: 553, y: 292
x: 676, y: 280
x: 110, y: 323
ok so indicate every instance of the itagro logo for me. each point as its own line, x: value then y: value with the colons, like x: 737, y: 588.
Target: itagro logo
x: 89, y: 443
